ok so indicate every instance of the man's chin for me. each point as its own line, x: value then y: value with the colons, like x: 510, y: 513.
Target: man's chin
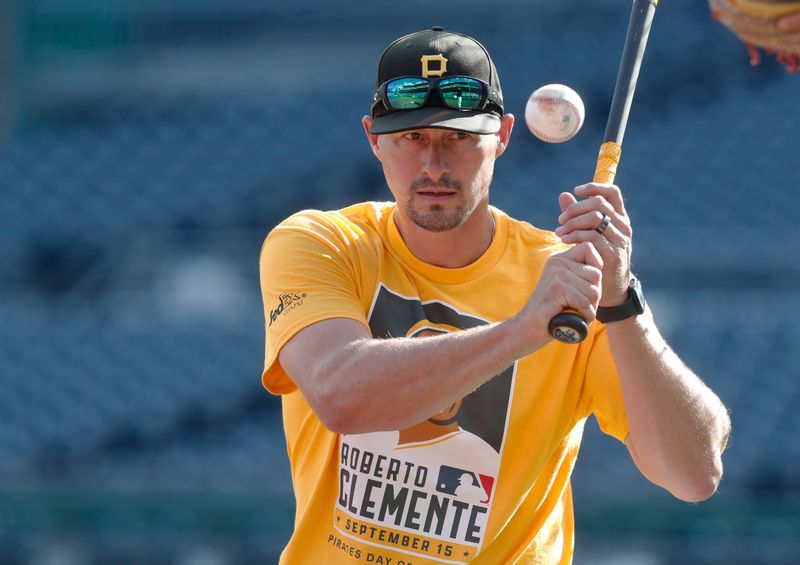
x: 436, y: 225
x: 438, y: 220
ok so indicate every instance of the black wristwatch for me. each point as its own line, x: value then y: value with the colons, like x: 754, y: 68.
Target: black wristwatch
x: 633, y: 306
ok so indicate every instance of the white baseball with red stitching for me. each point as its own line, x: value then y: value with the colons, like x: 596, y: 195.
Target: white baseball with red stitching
x: 554, y: 113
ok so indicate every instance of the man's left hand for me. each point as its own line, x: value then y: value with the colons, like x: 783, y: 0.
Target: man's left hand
x: 582, y: 220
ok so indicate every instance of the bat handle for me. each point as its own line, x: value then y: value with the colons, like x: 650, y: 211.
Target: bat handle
x: 569, y: 326
x: 607, y: 162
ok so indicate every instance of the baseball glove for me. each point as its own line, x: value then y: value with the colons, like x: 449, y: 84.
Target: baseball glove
x: 756, y: 23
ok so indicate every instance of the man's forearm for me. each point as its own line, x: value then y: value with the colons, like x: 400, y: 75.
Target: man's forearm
x: 678, y: 426
x: 356, y: 383
x: 389, y: 384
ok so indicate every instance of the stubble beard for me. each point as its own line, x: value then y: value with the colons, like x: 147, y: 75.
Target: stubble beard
x: 436, y: 218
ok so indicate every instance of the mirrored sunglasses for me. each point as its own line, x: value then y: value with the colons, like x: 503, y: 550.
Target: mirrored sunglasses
x: 456, y: 92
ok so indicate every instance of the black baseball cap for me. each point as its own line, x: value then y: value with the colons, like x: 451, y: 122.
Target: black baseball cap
x: 445, y: 53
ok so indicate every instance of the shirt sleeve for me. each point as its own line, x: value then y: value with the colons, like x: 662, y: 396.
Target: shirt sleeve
x: 602, y: 389
x: 307, y: 274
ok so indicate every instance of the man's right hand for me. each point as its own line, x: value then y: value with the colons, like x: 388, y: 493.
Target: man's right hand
x: 572, y: 280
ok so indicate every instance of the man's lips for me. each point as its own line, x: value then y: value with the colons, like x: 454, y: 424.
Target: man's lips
x: 434, y: 193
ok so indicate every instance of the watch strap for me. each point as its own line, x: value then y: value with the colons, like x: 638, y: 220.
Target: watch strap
x: 633, y: 306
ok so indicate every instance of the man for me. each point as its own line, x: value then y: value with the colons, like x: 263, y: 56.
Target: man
x: 343, y: 289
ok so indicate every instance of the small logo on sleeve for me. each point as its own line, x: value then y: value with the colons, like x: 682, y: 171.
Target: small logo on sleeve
x: 287, y: 301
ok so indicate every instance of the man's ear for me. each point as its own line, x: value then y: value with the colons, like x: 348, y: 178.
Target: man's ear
x: 366, y: 121
x: 504, y: 135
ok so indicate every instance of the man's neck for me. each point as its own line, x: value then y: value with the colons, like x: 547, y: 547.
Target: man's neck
x: 453, y: 248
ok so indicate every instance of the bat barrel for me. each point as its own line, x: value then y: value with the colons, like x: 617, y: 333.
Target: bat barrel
x: 638, y: 31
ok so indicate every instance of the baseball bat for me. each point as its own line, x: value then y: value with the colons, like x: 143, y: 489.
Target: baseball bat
x: 569, y: 326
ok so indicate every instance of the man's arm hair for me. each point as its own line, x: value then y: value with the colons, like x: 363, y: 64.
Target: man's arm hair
x: 678, y: 426
x: 358, y: 384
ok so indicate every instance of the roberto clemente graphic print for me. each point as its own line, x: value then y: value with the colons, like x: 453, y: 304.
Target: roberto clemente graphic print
x: 426, y: 490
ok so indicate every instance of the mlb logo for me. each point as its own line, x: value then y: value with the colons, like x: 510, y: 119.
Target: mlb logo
x: 465, y: 485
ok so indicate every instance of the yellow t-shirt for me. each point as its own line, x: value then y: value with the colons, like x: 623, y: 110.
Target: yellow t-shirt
x: 493, y: 489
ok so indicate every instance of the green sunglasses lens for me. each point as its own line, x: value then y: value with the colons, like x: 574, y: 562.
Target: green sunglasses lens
x: 461, y: 93
x: 407, y: 93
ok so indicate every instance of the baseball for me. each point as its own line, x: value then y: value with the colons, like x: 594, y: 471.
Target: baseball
x: 554, y: 113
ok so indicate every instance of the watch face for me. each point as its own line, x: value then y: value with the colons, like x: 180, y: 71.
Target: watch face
x: 637, y: 296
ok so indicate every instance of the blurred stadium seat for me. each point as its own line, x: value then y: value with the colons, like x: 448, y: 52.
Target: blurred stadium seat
x: 154, y: 144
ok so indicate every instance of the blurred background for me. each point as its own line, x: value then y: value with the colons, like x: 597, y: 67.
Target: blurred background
x: 148, y: 146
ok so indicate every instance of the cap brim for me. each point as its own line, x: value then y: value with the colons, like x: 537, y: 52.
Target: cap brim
x: 435, y: 117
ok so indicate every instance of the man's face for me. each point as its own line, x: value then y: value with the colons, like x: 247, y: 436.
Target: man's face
x: 437, y: 176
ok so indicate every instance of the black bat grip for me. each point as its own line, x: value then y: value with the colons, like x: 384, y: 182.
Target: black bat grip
x: 568, y: 327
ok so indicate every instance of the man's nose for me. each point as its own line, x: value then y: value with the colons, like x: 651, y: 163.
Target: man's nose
x: 434, y: 161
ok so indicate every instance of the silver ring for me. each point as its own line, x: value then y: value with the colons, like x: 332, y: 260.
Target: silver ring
x: 603, y: 225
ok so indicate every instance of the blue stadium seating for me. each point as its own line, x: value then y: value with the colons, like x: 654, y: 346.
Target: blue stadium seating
x: 101, y: 199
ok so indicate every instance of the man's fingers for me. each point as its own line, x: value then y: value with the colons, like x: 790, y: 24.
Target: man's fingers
x: 585, y: 303
x: 576, y: 286
x: 606, y: 243
x: 587, y: 224
x: 585, y: 253
x: 595, y: 203
x: 599, y: 200
x: 588, y: 214
x: 789, y: 22
x: 590, y: 273
x: 571, y: 279
x: 565, y: 199
x: 584, y: 292
x: 610, y: 192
